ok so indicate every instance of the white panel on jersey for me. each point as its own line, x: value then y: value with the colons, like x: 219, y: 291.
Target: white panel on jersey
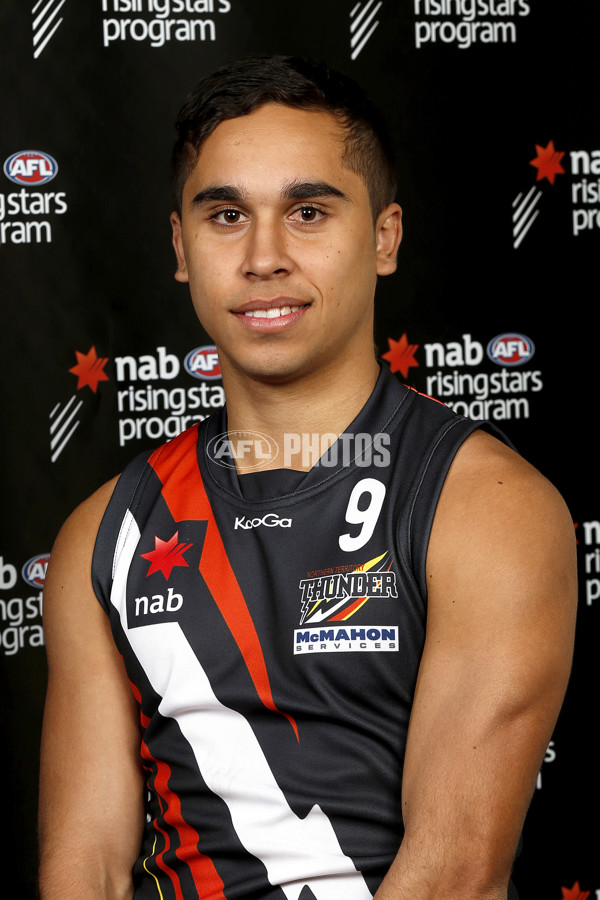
x: 294, y: 851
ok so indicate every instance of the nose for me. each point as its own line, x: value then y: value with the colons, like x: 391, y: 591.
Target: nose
x: 267, y: 254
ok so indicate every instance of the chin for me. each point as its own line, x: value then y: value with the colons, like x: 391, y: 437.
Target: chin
x: 276, y: 368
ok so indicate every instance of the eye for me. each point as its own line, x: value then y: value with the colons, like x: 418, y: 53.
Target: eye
x: 309, y: 214
x: 229, y: 216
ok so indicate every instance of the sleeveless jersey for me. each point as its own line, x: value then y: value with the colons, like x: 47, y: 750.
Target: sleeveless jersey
x: 272, y: 636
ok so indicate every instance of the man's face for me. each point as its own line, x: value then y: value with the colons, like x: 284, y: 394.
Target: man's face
x: 278, y: 244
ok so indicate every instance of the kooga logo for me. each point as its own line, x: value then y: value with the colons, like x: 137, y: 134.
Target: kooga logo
x: 270, y: 520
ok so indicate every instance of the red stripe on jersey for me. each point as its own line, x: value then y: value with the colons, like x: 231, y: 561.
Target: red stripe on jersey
x: 207, y: 881
x: 206, y: 878
x: 183, y: 491
x: 421, y: 394
x: 145, y: 721
x: 346, y: 613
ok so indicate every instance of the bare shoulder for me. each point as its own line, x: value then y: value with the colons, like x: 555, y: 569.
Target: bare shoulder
x: 502, y: 542
x: 495, y: 493
x: 84, y: 521
x: 68, y: 585
x: 484, y: 463
x: 79, y: 531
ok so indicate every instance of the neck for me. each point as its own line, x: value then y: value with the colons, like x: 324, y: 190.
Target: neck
x: 319, y: 406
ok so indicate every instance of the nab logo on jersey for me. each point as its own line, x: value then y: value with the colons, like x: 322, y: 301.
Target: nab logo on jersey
x: 203, y: 362
x: 34, y: 570
x: 30, y: 167
x: 510, y: 349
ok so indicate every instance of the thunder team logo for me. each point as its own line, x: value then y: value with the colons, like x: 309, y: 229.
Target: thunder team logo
x: 329, y: 601
x: 335, y: 597
x: 31, y: 168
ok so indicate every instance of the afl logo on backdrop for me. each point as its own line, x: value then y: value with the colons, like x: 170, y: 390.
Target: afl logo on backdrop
x: 30, y: 167
x: 34, y: 570
x: 510, y: 349
x: 203, y: 362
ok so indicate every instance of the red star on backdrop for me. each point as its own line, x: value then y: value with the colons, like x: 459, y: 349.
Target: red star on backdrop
x: 89, y: 369
x: 574, y: 893
x: 166, y: 555
x: 401, y: 355
x: 547, y: 162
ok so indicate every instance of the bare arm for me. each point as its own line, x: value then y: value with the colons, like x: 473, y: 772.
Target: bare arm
x: 91, y: 789
x: 502, y: 601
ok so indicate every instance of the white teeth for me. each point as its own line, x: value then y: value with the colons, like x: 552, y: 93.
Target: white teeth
x: 273, y: 313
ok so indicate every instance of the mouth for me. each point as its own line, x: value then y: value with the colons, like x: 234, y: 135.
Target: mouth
x: 273, y: 312
x: 271, y: 315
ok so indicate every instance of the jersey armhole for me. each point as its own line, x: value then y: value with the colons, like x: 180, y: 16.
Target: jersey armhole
x: 124, y: 497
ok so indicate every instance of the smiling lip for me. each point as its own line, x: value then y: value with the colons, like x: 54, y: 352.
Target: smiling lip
x: 271, y: 314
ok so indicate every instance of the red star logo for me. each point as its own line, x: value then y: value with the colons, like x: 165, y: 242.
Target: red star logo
x: 166, y: 555
x: 401, y: 355
x: 547, y: 162
x: 574, y: 893
x: 89, y: 369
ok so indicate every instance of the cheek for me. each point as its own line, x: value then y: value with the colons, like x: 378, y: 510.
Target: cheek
x: 206, y: 290
x: 203, y: 314
x: 206, y: 279
x: 351, y: 267
x: 333, y: 262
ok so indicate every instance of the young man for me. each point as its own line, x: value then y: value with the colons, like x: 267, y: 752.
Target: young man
x: 237, y: 640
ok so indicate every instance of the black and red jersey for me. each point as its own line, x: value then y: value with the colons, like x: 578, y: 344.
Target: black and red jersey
x: 272, y: 626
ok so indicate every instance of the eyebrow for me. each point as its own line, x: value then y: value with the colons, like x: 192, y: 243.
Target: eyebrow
x: 218, y: 193
x: 295, y: 190
x: 304, y: 190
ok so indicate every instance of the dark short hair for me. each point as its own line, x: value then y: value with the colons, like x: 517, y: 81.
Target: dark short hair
x: 243, y: 86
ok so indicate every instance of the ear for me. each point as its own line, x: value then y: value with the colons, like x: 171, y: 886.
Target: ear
x: 182, y: 273
x: 388, y: 234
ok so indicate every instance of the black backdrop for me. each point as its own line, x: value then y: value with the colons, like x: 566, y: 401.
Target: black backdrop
x: 495, y: 248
